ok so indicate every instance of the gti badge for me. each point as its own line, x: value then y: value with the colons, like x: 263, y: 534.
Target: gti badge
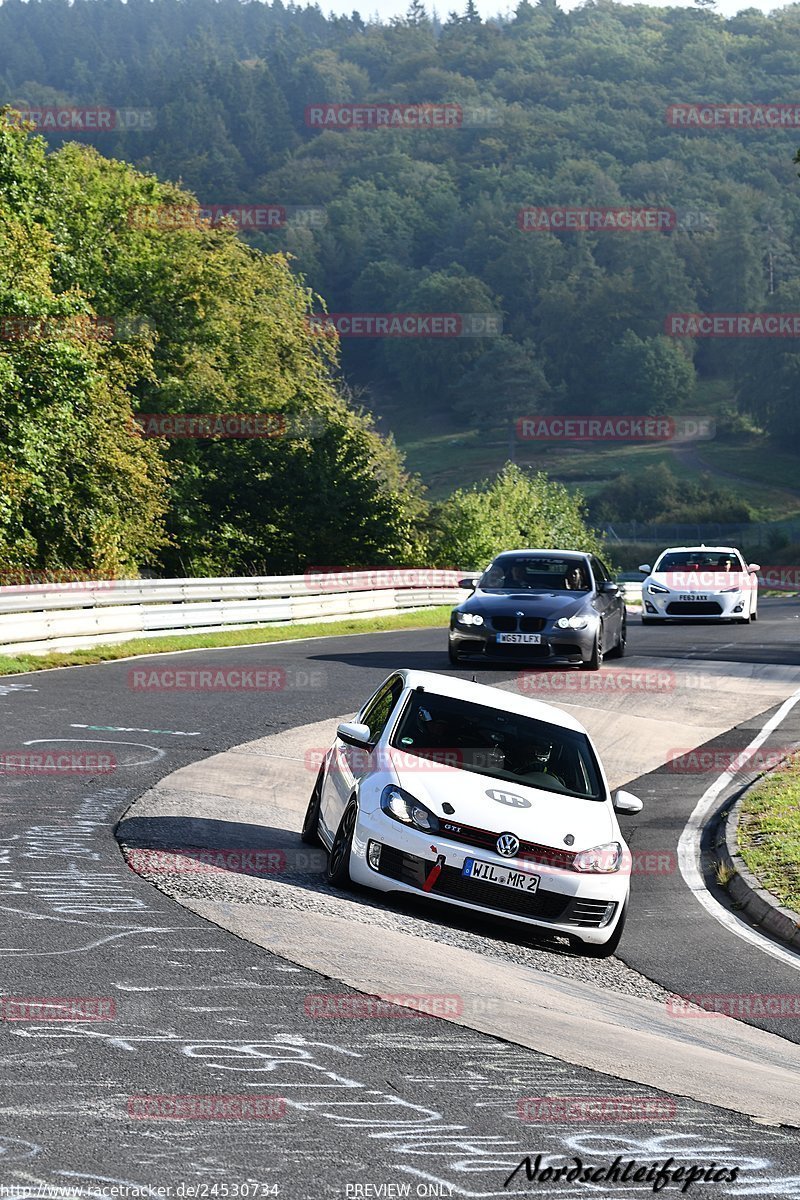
x: 509, y: 798
x: 508, y: 845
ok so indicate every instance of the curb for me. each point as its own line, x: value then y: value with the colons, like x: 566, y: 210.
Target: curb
x: 745, y: 889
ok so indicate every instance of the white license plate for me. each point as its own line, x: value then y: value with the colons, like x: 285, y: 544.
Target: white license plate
x: 521, y: 881
x: 694, y: 596
x: 520, y: 639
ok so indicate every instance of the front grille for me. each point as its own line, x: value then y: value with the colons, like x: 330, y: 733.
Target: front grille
x: 407, y: 868
x: 531, y: 624
x: 518, y: 624
x: 694, y: 608
x: 530, y: 851
x: 520, y: 650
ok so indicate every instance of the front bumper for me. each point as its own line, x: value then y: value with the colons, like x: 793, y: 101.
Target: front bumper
x: 565, y: 646
x: 568, y: 903
x: 719, y: 606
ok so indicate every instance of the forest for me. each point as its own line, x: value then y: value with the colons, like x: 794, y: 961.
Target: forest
x: 475, y: 204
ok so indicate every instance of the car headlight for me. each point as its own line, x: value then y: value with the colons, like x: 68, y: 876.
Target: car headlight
x: 737, y: 590
x: 572, y: 623
x: 467, y: 618
x: 405, y: 808
x: 600, y: 858
x: 656, y: 589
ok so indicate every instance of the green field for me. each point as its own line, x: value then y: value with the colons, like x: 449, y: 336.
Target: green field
x: 424, y: 619
x: 447, y: 457
x: 769, y: 833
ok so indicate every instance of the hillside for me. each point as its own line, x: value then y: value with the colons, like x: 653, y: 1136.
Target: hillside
x: 585, y: 110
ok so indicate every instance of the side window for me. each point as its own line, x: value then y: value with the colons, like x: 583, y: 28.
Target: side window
x: 378, y: 711
x: 606, y: 573
x: 598, y: 570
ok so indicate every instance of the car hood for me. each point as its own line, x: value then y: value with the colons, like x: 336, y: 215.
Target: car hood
x: 532, y: 604
x: 547, y: 819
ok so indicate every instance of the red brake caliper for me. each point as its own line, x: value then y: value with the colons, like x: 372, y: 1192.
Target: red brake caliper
x: 434, y: 872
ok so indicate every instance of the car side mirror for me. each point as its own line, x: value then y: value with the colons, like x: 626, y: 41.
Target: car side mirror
x: 608, y: 585
x: 754, y: 568
x: 626, y: 802
x: 644, y: 568
x: 354, y: 734
x: 468, y: 583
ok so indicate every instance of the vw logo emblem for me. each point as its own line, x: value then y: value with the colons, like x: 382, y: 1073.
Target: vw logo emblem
x: 508, y: 845
x: 508, y: 798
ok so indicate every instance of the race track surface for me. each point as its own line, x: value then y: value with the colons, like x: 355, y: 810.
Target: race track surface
x: 390, y: 1101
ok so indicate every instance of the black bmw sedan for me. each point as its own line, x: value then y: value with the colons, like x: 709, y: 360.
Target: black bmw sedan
x: 543, y: 606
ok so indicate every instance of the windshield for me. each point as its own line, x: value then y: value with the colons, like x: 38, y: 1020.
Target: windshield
x: 539, y: 573
x: 715, y: 561
x: 506, y: 746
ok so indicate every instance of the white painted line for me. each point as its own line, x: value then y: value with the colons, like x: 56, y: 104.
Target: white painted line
x: 140, y: 762
x: 689, y: 847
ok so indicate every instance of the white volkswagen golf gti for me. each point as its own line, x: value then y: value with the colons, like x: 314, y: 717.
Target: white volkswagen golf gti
x: 478, y: 798
x: 693, y: 582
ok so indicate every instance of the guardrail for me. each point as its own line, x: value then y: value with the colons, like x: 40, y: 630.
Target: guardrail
x: 56, y: 616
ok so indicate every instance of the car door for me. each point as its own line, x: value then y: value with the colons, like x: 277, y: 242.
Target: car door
x: 348, y: 764
x: 609, y: 604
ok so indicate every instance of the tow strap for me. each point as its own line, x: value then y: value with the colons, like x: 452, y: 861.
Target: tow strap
x: 434, y: 873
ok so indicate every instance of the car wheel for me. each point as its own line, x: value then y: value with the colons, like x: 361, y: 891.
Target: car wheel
x: 619, y: 649
x: 596, y: 661
x: 310, y: 831
x: 604, y: 949
x: 453, y: 654
x: 338, y: 872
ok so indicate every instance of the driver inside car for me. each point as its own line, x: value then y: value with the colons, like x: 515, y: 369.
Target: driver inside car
x: 539, y: 755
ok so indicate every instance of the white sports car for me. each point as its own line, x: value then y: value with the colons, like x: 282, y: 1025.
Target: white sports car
x: 478, y: 798
x: 700, y: 582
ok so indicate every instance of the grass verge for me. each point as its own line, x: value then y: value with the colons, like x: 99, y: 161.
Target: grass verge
x: 425, y: 619
x: 769, y: 833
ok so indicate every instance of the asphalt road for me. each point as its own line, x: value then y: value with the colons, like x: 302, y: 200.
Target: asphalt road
x: 188, y: 1010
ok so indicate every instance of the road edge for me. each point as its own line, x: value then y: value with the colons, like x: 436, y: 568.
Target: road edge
x: 746, y: 890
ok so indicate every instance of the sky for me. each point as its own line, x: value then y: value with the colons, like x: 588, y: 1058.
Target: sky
x: 489, y: 8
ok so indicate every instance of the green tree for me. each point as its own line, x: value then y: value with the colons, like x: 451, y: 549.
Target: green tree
x: 513, y: 510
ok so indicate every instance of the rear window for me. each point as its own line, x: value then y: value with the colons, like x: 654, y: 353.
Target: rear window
x: 503, y: 745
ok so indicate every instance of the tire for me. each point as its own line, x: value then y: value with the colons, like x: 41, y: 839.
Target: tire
x: 605, y: 949
x: 309, y: 834
x: 453, y: 654
x: 619, y: 649
x: 652, y: 621
x: 596, y: 661
x: 338, y: 870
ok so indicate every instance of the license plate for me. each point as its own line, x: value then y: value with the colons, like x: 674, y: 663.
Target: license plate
x: 693, y: 596
x: 520, y: 639
x: 521, y: 881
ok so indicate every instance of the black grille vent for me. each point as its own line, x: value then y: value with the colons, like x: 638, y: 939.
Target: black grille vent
x: 541, y: 906
x: 694, y: 608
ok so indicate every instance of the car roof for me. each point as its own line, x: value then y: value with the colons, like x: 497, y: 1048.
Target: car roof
x: 549, y: 553
x: 481, y: 693
x: 704, y: 549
